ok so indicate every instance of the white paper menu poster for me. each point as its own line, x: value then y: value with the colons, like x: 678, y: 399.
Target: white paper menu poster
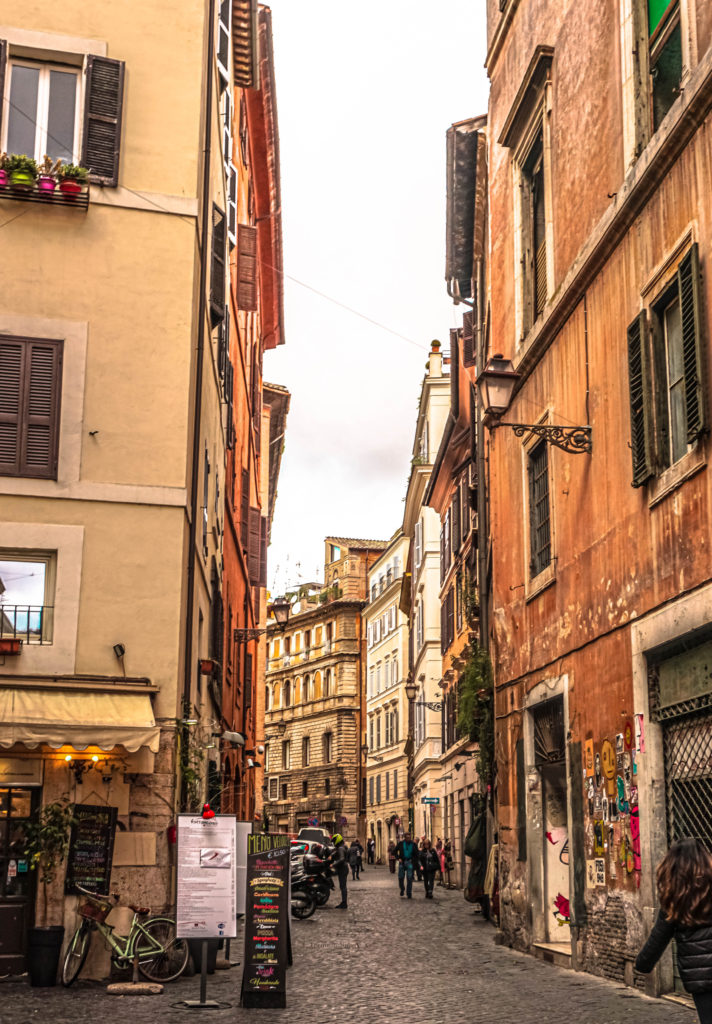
x: 206, y: 897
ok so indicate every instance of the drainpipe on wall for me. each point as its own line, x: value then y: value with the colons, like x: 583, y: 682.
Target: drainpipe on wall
x: 200, y: 346
x: 482, y: 505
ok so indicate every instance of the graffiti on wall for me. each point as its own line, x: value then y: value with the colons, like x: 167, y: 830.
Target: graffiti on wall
x: 611, y: 800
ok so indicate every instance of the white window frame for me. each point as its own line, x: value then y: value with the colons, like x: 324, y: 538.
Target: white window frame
x: 273, y: 788
x: 45, y: 68
x: 226, y: 29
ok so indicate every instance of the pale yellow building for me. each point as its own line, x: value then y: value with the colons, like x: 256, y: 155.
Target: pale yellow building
x: 386, y: 703
x: 112, y: 434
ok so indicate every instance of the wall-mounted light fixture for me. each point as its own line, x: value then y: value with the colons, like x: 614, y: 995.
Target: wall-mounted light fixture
x: 80, y: 766
x: 279, y: 609
x: 496, y: 385
x: 410, y: 691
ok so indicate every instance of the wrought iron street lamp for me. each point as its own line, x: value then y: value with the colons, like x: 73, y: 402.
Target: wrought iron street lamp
x: 280, y: 609
x: 410, y: 691
x: 496, y: 385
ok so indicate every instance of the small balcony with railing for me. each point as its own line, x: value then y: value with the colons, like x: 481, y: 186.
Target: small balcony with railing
x: 20, y: 624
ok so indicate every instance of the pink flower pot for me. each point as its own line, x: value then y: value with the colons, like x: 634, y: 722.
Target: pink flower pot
x: 46, y: 183
x: 3, y: 179
x: 70, y: 187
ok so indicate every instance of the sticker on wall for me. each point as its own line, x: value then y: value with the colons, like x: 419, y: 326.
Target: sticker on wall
x: 597, y: 773
x: 628, y: 735
x: 598, y: 838
x: 608, y: 763
x: 620, y: 747
x: 590, y: 874
x: 640, y: 734
x: 623, y: 805
x: 588, y: 757
x: 563, y: 910
x: 591, y: 794
x: 600, y: 871
x: 635, y: 834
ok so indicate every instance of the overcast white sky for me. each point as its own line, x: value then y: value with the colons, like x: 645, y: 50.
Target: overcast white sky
x: 365, y: 94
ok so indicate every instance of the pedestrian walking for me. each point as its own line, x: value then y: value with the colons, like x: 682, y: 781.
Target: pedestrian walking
x: 354, y: 860
x: 392, y: 857
x: 360, y: 855
x: 340, y: 863
x: 407, y: 854
x: 441, y: 857
x: 430, y: 865
x: 684, y: 880
x: 370, y: 850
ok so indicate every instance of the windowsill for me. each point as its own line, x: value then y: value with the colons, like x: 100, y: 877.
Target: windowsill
x: 541, y: 582
x: 676, y: 475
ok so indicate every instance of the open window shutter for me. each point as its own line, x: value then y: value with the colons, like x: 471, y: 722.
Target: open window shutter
x: 101, y: 142
x: 639, y: 382
x: 223, y: 43
x: 246, y: 267
x: 3, y: 66
x: 38, y: 455
x: 254, y: 546
x: 247, y: 701
x: 263, y: 552
x: 232, y: 206
x: 688, y: 278
x: 217, y: 268
x: 244, y: 507
x: 468, y: 338
x: 456, y: 531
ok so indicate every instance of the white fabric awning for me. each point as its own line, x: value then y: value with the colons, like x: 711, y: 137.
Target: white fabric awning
x: 80, y: 718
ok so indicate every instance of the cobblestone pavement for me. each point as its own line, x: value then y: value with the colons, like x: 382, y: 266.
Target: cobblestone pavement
x: 392, y: 960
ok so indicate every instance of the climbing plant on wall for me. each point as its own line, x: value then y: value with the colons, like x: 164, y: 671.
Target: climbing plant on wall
x: 475, y: 707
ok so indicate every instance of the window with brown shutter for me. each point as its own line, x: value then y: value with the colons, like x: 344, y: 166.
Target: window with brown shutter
x: 244, y: 507
x: 103, y: 105
x: 263, y: 551
x: 468, y: 338
x: 246, y: 267
x: 217, y: 268
x: 254, y: 548
x: 30, y: 390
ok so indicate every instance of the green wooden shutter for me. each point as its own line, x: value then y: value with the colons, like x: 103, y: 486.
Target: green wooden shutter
x: 639, y: 382
x: 103, y: 105
x: 688, y: 279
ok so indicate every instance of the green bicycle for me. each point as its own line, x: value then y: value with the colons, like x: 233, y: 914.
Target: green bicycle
x: 161, y: 956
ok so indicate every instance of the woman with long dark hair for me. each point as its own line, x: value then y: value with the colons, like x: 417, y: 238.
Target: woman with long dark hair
x: 685, y: 891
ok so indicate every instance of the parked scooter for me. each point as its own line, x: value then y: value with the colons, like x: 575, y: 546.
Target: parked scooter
x: 303, y: 898
x: 318, y: 871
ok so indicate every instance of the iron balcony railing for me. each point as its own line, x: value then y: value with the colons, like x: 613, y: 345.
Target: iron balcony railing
x: 31, y: 623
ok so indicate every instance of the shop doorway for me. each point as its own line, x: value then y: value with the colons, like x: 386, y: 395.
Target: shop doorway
x: 550, y: 761
x: 17, y: 889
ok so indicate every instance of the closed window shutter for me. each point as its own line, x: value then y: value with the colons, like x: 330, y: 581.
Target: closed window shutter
x: 3, y: 66
x: 103, y: 105
x: 450, y: 616
x: 247, y: 703
x: 253, y: 549
x: 246, y: 267
x: 443, y: 627
x: 688, y: 279
x: 639, y: 382
x: 456, y: 529
x: 11, y: 366
x: 468, y: 338
x: 217, y: 268
x: 30, y: 388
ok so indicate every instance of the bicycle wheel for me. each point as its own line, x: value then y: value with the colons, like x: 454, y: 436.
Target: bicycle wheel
x: 162, y: 957
x: 76, y: 954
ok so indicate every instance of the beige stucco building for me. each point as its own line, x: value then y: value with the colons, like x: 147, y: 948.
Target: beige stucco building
x: 420, y: 601
x: 112, y: 433
x: 386, y: 703
x: 315, y: 703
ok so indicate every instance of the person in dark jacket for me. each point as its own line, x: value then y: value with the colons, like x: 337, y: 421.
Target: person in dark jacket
x: 407, y: 855
x: 340, y: 862
x: 355, y: 860
x: 430, y: 865
x: 685, y: 891
x: 370, y: 847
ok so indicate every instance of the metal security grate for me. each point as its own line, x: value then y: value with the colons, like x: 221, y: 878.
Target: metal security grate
x: 549, y: 733
x: 687, y: 745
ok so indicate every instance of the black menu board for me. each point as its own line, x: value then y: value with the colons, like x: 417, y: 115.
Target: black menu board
x: 266, y: 922
x: 91, y: 848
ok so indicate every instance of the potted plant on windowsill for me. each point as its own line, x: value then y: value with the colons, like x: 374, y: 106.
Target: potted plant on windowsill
x: 73, y: 179
x: 47, y: 841
x: 22, y: 172
x: 47, y: 175
x: 3, y: 170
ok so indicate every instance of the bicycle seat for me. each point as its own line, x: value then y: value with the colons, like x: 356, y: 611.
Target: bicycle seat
x: 139, y: 910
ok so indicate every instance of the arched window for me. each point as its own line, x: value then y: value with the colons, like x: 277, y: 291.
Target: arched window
x: 327, y: 682
x: 298, y: 691
x: 307, y: 689
x: 317, y: 686
x: 267, y: 704
x: 286, y: 694
x: 276, y: 703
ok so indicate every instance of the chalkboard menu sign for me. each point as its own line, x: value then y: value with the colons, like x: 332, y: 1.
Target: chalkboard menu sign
x: 266, y: 922
x: 91, y: 848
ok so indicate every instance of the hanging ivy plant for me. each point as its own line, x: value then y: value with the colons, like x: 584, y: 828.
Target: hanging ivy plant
x: 475, y: 707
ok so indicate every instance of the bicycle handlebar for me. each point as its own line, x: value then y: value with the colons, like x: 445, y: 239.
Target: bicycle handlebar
x: 98, y: 895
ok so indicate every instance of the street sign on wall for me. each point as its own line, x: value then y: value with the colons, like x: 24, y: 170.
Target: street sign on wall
x: 206, y: 896
x: 430, y: 800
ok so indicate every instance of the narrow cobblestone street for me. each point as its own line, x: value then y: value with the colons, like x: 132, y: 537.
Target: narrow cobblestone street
x: 387, y: 959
